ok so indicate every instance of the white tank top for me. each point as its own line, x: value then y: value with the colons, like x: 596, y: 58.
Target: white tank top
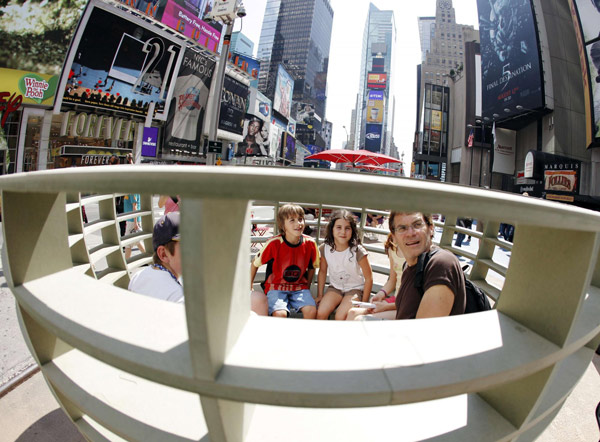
x: 344, y: 271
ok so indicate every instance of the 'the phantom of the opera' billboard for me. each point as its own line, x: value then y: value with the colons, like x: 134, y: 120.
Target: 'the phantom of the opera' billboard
x: 510, y: 58
x: 119, y: 62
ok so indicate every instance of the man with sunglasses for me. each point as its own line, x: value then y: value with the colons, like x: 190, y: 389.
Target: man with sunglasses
x: 443, y: 280
x: 161, y: 279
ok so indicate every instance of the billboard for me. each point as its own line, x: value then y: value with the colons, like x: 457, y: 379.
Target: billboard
x: 586, y: 16
x: 284, y: 89
x: 249, y: 65
x: 375, y: 107
x: 118, y: 62
x: 510, y: 58
x: 505, y: 146
x: 188, y: 105
x: 256, y: 140
x: 289, y: 148
x: 260, y: 105
x: 376, y: 80
x: 34, y: 88
x: 306, y: 114
x: 436, y: 120
x: 150, y: 142
x: 184, y: 16
x: 234, y: 100
x: 373, y: 137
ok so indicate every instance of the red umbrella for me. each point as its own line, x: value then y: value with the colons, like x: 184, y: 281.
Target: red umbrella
x: 353, y: 156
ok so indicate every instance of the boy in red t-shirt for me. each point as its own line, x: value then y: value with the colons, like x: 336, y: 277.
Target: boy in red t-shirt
x: 291, y: 260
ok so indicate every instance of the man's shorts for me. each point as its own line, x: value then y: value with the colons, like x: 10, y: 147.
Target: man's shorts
x: 284, y: 300
x: 354, y: 292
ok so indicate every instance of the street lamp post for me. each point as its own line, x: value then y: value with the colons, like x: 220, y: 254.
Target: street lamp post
x: 347, y: 138
x: 227, y: 20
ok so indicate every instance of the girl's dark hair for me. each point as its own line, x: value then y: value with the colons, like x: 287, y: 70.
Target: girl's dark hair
x: 345, y: 215
x: 389, y: 243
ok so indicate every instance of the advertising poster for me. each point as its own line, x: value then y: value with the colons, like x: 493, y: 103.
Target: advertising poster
x: 284, y: 89
x: 256, y: 135
x: 289, y: 148
x: 249, y: 65
x: 33, y: 88
x: 150, y: 142
x: 118, y: 64
x: 373, y: 137
x: 375, y: 107
x: 436, y: 120
x: 510, y: 57
x: 262, y: 105
x: 177, y: 16
x: 586, y: 18
x: 376, y: 80
x: 560, y: 180
x: 306, y: 113
x: 504, y: 151
x: 233, y: 106
x: 188, y: 105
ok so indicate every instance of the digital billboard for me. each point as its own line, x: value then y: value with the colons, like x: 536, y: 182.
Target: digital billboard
x: 188, y: 105
x: 120, y: 63
x: 373, y: 137
x: 284, y: 89
x: 184, y: 16
x: 234, y: 100
x: 375, y: 107
x: 586, y: 16
x: 510, y: 58
x: 376, y: 80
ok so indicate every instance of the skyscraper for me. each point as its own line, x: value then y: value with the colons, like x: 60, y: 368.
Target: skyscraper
x: 296, y: 34
x: 373, y: 122
x: 443, y: 49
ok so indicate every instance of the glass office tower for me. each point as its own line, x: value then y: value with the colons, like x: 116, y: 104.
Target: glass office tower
x: 297, y: 35
x: 373, y: 130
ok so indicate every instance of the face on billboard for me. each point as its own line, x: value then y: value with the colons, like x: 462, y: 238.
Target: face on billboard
x: 511, y: 73
x: 118, y: 63
x: 284, y: 88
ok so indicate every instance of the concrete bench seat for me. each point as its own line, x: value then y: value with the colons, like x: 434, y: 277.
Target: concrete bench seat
x: 125, y: 366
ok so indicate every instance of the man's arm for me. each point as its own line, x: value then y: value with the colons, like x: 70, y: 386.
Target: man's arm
x: 437, y: 301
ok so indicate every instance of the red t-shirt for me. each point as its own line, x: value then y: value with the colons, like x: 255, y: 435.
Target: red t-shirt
x: 287, y: 264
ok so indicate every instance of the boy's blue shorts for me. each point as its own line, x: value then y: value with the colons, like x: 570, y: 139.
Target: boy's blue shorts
x: 284, y: 300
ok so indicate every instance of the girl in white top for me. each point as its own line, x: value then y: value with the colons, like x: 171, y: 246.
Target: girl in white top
x: 350, y: 275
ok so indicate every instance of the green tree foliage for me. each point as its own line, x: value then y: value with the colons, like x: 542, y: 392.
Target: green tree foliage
x: 36, y: 33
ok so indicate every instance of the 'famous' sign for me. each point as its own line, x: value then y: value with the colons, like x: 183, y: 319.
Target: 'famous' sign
x: 510, y: 60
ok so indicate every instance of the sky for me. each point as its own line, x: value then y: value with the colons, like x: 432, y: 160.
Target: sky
x: 344, y: 57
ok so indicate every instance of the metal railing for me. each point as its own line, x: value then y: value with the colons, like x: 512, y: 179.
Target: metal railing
x: 128, y: 366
